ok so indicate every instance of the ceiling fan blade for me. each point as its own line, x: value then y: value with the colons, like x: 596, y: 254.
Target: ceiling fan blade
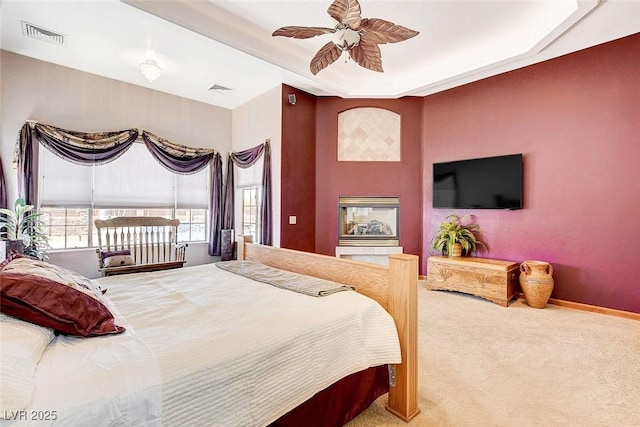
x: 367, y: 55
x: 380, y: 31
x: 302, y: 32
x: 325, y: 56
x: 346, y: 12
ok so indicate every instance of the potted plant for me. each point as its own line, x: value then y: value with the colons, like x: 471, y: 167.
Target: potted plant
x: 22, y: 229
x: 456, y: 236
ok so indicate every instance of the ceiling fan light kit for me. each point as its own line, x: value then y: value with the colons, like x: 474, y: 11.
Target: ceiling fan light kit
x: 345, y: 38
x: 357, y: 36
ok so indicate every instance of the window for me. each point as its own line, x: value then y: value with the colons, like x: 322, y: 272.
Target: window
x: 135, y: 184
x: 193, y: 224
x: 73, y: 227
x: 66, y: 227
x: 251, y: 211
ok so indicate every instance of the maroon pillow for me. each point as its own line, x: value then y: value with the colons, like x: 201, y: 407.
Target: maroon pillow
x: 52, y: 296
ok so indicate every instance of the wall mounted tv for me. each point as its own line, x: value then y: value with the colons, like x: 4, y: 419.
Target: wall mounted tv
x: 486, y: 183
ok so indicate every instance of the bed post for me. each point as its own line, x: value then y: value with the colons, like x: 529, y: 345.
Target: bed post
x: 242, y: 239
x: 403, y: 307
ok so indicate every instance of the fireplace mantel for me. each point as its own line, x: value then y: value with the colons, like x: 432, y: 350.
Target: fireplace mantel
x: 372, y: 254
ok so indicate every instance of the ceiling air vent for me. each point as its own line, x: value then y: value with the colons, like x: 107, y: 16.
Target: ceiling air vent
x: 43, y: 34
x: 218, y: 87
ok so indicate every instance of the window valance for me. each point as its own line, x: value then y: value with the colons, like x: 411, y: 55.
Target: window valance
x: 245, y: 159
x: 177, y: 158
x: 97, y: 148
x: 85, y: 148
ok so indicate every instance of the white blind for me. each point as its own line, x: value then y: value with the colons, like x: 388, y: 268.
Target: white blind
x: 193, y: 190
x: 135, y: 179
x: 250, y: 176
x: 63, y: 183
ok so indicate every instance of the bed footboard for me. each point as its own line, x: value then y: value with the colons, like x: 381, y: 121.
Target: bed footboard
x: 394, y: 287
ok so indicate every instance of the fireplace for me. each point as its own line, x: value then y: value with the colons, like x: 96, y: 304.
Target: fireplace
x: 368, y: 221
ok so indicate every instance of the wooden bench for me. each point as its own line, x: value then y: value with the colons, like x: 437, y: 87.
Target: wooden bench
x: 151, y: 242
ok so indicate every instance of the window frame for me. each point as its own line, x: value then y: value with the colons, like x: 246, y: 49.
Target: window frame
x: 91, y: 215
x: 255, y: 225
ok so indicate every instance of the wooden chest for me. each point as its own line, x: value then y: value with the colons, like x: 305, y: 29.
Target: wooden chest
x: 492, y: 279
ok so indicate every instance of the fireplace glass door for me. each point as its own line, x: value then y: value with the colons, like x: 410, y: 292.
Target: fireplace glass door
x: 368, y: 221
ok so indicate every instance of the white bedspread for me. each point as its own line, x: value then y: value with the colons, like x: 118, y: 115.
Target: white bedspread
x: 230, y: 351
x: 101, y: 381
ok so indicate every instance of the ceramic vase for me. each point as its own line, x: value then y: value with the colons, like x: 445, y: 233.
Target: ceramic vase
x: 536, y: 281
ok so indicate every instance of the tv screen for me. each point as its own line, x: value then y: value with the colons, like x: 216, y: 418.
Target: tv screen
x: 486, y: 183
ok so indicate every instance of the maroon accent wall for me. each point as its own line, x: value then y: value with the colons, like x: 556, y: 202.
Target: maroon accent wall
x: 335, y: 179
x: 577, y: 121
x: 298, y: 196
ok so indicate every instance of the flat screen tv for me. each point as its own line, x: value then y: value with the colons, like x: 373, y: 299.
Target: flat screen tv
x: 486, y: 183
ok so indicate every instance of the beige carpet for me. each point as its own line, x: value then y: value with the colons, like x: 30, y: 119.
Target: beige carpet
x: 486, y: 365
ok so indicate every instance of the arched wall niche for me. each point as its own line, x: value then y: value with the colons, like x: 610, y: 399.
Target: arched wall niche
x: 368, y: 134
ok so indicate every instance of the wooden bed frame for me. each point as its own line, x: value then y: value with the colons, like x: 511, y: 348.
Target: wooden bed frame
x: 394, y: 287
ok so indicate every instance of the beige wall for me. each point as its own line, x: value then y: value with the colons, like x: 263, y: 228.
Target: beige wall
x: 253, y: 122
x: 48, y: 93
x: 33, y: 89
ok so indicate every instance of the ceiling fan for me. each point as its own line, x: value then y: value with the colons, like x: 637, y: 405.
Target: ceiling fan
x: 357, y: 36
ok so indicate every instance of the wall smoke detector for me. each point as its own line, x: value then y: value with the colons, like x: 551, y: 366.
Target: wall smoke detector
x: 49, y: 36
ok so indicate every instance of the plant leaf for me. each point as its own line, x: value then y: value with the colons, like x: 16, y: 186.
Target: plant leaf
x: 453, y: 230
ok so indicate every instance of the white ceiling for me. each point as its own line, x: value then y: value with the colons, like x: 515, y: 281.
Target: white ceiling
x: 229, y: 43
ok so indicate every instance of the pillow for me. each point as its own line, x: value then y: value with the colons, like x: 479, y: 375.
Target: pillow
x: 10, y: 257
x: 52, y: 296
x: 21, y: 348
x: 107, y: 254
x: 117, y: 261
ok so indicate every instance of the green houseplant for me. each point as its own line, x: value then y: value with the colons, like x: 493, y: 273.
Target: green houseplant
x: 22, y: 228
x: 456, y: 230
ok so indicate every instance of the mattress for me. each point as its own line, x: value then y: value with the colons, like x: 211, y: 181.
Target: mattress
x: 208, y: 347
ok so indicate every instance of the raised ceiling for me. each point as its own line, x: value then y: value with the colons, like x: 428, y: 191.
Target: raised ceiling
x: 204, y: 43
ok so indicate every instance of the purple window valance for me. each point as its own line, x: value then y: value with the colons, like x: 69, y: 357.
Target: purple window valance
x: 85, y: 148
x: 177, y: 158
x: 242, y: 159
x: 103, y: 147
x: 245, y: 159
